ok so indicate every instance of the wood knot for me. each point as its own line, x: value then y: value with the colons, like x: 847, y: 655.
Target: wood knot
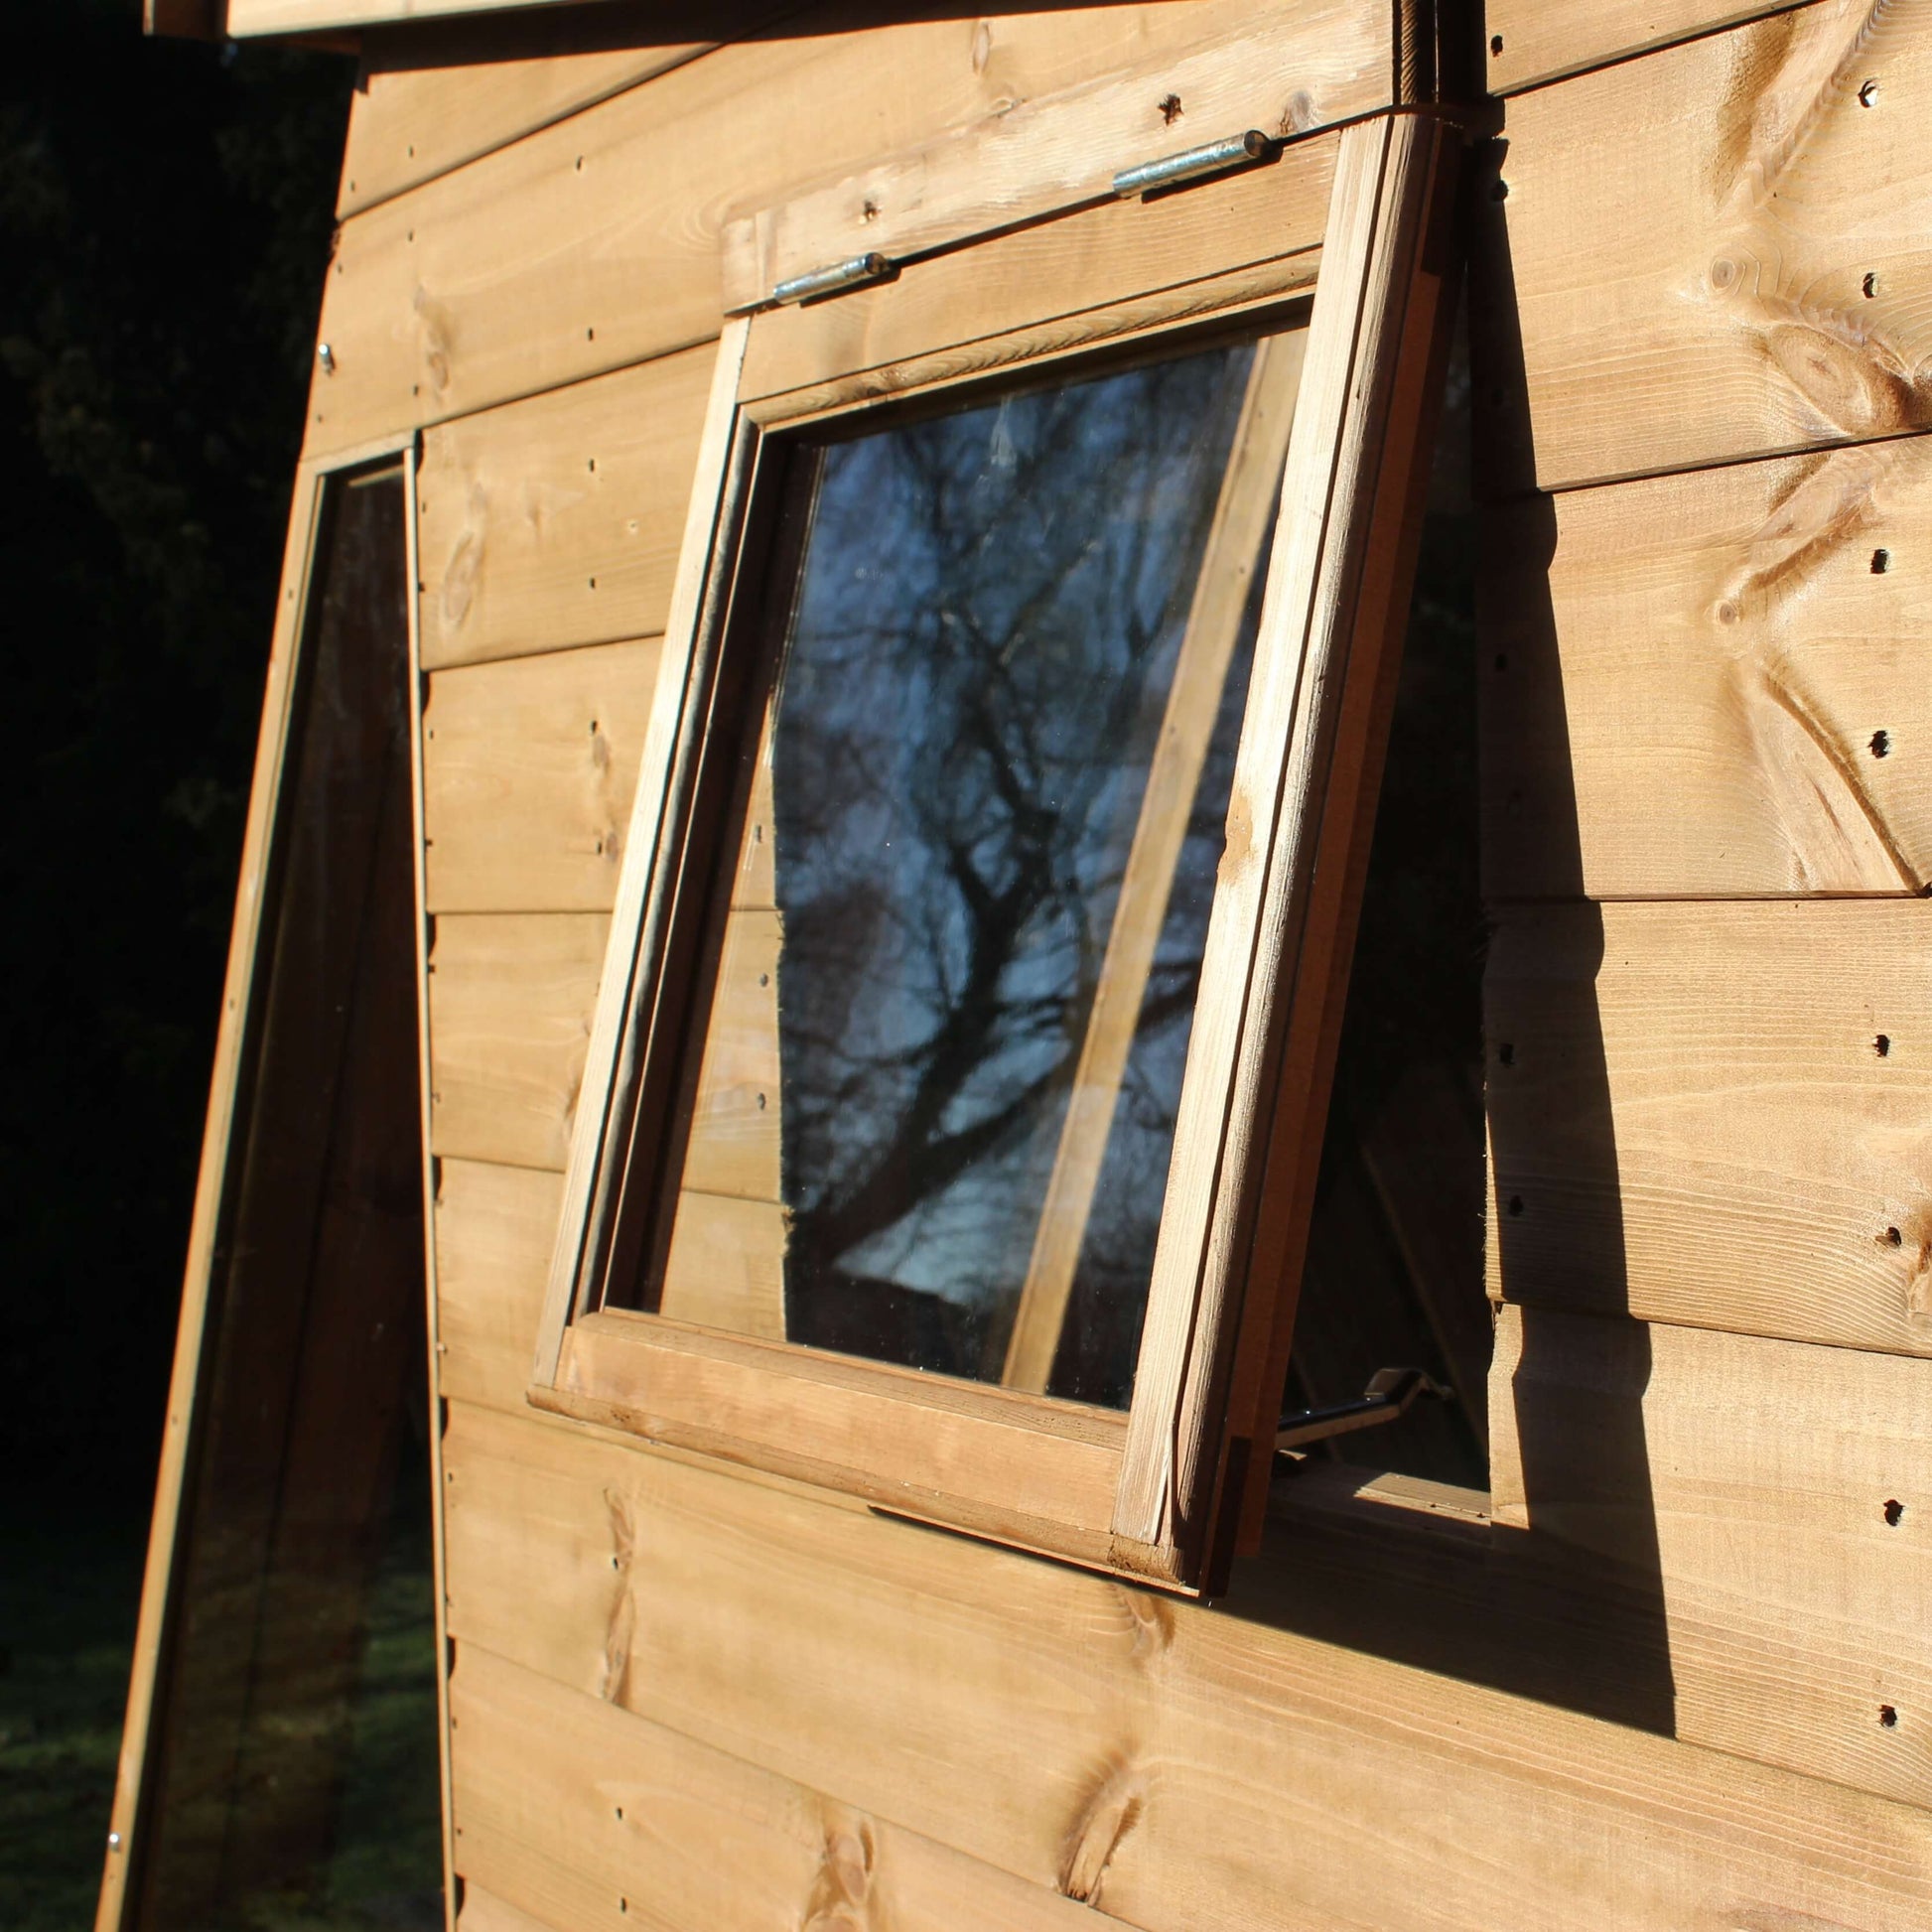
x: 438, y: 336
x: 458, y: 595
x: 1237, y: 847
x: 844, y: 1895
x: 613, y: 1671
x: 1855, y: 384
x: 1150, y: 1622
x: 1111, y: 1810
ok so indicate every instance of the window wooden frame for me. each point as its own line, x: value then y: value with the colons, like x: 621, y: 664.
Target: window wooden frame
x: 1162, y: 1492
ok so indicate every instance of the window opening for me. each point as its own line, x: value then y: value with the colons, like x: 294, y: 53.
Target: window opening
x: 1394, y: 1275
x: 962, y: 921
x: 292, y: 1768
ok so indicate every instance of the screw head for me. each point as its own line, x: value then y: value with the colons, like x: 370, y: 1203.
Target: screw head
x: 326, y: 357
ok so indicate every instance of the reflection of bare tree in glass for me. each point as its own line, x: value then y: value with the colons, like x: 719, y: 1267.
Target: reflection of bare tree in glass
x: 986, y: 623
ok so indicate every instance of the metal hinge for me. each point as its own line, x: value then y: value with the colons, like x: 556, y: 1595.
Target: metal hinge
x: 1389, y: 1395
x: 1195, y: 163
x: 833, y: 280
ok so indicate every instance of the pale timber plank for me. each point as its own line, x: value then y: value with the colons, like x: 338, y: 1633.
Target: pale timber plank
x: 493, y: 1229
x: 664, y: 1829
x: 530, y: 765
x: 556, y: 521
x: 1690, y: 1119
x: 416, y: 115
x: 1530, y: 42
x: 1158, y: 1759
x: 1283, y: 73
x: 595, y: 244
x: 509, y: 1001
x: 1710, y: 685
x: 1796, y: 1609
x: 1686, y: 245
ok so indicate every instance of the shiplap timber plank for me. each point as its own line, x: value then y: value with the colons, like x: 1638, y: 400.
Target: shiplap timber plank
x: 1285, y: 73
x: 1686, y: 681
x: 528, y: 767
x: 1686, y: 245
x: 1162, y: 1759
x: 666, y: 1831
x: 733, y: 1147
x: 555, y: 521
x: 1531, y: 42
x: 493, y: 1229
x: 509, y: 998
x: 1795, y: 1608
x: 595, y: 244
x: 1691, y: 1118
x: 726, y: 1266
x: 412, y: 119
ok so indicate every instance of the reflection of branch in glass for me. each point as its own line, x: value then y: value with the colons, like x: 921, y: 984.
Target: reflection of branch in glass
x: 986, y: 628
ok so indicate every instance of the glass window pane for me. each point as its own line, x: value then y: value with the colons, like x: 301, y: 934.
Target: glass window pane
x: 292, y: 1768
x: 935, y: 1104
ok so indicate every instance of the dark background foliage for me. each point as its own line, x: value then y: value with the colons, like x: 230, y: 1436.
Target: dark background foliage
x: 164, y: 229
x: 165, y: 226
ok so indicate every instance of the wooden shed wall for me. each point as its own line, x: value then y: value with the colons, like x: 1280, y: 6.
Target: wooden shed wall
x: 1653, y: 1692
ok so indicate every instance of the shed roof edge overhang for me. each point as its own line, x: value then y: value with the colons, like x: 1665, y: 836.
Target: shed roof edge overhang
x: 257, y: 19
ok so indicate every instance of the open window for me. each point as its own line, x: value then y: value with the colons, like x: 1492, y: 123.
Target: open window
x: 280, y: 1756
x: 958, y: 1079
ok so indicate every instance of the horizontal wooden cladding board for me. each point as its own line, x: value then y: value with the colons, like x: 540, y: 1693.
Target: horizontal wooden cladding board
x: 657, y: 1830
x: 1169, y: 1764
x: 1773, y: 1498
x: 1721, y: 250
x: 1530, y: 42
x: 1285, y: 73
x: 494, y: 1226
x: 556, y: 520
x: 595, y: 244
x: 529, y: 766
x: 1269, y: 220
x: 418, y: 112
x: 510, y: 996
x: 1711, y: 685
x: 1717, y: 1114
